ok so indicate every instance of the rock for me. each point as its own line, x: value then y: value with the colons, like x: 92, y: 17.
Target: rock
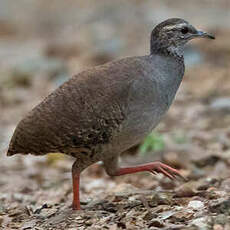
x: 156, y: 223
x: 221, y: 205
x: 161, y: 208
x: 202, y: 223
x: 167, y: 214
x: 196, y: 205
x: 38, y: 210
x: 185, y: 190
x: 109, y: 207
x: 209, y: 182
x: 160, y: 199
x: 121, y: 225
x: 29, y: 225
x: 131, y: 214
x: 182, y: 216
x: 213, y: 193
x: 47, y: 213
x: 18, y: 197
x: 133, y: 198
x: 149, y: 216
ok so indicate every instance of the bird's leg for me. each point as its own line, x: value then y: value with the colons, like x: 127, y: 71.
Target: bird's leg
x: 76, y: 185
x: 153, y: 167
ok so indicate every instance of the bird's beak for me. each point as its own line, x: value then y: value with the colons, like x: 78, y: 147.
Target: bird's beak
x: 202, y: 34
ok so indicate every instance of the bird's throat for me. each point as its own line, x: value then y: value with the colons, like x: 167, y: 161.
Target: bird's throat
x: 157, y: 47
x: 177, y: 51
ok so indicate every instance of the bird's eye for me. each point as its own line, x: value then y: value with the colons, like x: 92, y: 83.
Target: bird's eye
x: 184, y: 30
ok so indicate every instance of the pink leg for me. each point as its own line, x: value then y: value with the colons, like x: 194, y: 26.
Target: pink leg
x: 76, y: 183
x: 154, y: 167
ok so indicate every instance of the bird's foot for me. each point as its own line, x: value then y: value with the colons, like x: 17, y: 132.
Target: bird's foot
x: 153, y: 167
x: 158, y: 167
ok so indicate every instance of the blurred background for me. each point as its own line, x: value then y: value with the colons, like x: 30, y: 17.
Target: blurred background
x: 43, y: 43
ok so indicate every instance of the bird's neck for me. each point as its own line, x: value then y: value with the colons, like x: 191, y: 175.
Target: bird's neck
x: 177, y: 51
x: 157, y: 47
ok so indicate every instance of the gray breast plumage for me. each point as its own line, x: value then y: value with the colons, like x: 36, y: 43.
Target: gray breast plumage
x: 149, y: 97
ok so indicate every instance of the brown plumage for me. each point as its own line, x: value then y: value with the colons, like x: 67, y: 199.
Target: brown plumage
x: 103, y: 111
x: 77, y: 117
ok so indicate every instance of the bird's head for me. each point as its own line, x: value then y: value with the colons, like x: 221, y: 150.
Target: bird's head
x: 171, y: 35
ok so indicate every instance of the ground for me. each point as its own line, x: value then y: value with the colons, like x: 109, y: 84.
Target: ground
x: 36, y: 192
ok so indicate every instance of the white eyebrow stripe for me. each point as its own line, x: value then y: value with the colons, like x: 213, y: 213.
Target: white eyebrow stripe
x: 181, y: 25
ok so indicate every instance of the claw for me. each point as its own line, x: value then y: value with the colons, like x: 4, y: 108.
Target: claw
x: 167, y: 171
x: 153, y: 172
x: 174, y: 172
x: 170, y: 176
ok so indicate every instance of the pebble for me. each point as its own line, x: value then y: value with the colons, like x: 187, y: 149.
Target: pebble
x: 201, y: 223
x: 185, y: 190
x: 196, y: 204
x: 221, y: 206
x: 149, y: 216
x: 156, y: 223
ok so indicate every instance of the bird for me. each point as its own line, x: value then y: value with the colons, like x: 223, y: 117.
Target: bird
x: 103, y: 111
